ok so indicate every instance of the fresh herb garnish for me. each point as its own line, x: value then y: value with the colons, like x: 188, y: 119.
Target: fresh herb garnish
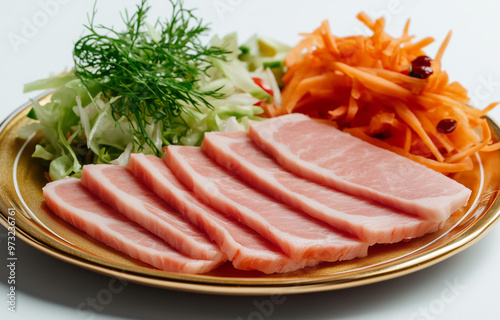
x: 142, y: 89
x: 155, y: 73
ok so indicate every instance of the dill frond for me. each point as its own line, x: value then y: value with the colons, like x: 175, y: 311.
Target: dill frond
x: 154, y: 72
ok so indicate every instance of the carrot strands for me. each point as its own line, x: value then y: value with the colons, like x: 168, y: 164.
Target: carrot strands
x: 363, y: 85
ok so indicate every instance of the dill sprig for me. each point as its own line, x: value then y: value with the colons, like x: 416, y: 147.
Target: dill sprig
x: 155, y: 72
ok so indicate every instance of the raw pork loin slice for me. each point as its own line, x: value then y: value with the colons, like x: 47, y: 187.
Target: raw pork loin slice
x: 368, y: 220
x: 243, y: 246
x: 71, y: 201
x: 297, y: 234
x: 326, y: 155
x: 117, y: 186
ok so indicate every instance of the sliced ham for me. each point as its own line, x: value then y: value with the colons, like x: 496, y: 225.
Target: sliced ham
x: 368, y: 220
x: 68, y: 199
x: 326, y: 155
x: 243, y: 246
x: 300, y: 236
x: 118, y: 187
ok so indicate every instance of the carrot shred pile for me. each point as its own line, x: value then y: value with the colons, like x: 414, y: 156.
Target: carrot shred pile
x: 362, y: 85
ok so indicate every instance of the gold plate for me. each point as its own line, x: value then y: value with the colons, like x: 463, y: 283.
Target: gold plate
x: 22, y: 179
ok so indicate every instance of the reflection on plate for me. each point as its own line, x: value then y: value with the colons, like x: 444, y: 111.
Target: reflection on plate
x: 22, y: 179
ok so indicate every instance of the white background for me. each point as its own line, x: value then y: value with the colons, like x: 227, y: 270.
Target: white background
x: 36, y: 39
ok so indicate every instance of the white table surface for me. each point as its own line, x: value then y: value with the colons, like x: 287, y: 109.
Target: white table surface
x: 36, y: 39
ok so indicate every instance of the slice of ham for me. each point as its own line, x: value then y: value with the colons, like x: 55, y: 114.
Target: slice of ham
x: 326, y: 155
x: 368, y: 220
x: 117, y: 186
x: 300, y: 236
x: 243, y: 246
x: 71, y: 201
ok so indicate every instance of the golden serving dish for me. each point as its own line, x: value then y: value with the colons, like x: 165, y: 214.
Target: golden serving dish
x: 22, y: 179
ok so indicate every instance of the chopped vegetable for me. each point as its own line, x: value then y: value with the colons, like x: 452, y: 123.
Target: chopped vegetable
x: 386, y: 91
x: 261, y: 83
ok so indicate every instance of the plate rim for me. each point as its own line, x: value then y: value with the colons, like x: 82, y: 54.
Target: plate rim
x: 251, y: 290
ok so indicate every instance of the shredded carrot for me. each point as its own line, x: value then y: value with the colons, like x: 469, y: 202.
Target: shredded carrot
x: 442, y: 48
x: 438, y: 166
x: 363, y: 85
x: 489, y: 108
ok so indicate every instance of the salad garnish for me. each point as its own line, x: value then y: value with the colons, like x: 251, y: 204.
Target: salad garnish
x: 149, y: 86
x: 387, y: 91
x: 154, y: 85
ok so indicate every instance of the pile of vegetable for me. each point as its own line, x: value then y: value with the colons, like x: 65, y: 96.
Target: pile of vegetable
x: 150, y: 86
x: 147, y: 87
x: 388, y: 92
